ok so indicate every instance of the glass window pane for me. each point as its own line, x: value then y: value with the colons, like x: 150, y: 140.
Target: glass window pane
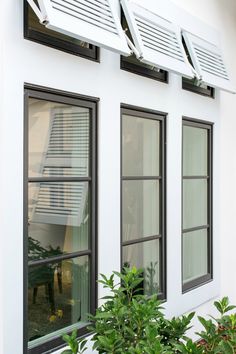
x: 140, y: 209
x: 58, y: 218
x: 141, y: 146
x: 195, y: 255
x: 58, y: 139
x: 145, y: 255
x: 195, y: 151
x: 195, y: 203
x: 58, y: 296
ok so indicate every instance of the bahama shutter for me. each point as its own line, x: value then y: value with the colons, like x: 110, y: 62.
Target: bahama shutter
x: 64, y: 203
x: 157, y: 40
x: 208, y: 61
x: 92, y: 21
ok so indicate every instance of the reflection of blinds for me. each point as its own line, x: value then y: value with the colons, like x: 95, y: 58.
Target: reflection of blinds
x: 61, y: 203
x: 67, y: 155
x: 68, y: 147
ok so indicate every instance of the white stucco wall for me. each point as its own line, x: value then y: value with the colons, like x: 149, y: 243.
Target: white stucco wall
x: 222, y: 15
x: 27, y: 62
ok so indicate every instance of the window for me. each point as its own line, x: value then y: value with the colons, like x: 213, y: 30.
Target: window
x: 143, y: 196
x: 89, y: 22
x: 157, y: 40
x: 195, y: 85
x: 200, y: 88
x: 132, y: 64
x: 60, y: 224
x: 208, y: 61
x: 37, y: 32
x: 197, y: 204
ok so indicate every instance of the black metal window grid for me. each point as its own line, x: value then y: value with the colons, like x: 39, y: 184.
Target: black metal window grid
x: 161, y: 237
x: 60, y: 97
x: 207, y: 227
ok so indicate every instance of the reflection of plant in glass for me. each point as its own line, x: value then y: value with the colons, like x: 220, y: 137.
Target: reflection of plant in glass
x: 51, y: 310
x: 151, y: 285
x: 36, y: 251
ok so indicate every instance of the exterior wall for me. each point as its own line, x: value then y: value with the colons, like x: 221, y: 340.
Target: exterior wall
x: 27, y: 62
x: 222, y: 15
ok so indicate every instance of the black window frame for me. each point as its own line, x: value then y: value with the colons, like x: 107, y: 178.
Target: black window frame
x: 91, y: 53
x: 161, y: 117
x: 39, y: 92
x: 139, y: 68
x: 189, y: 85
x: 186, y: 121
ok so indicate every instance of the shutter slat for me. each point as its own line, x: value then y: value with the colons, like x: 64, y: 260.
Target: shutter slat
x: 208, y: 62
x: 91, y: 21
x: 156, y: 39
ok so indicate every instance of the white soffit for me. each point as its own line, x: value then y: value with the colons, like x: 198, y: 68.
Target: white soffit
x: 158, y: 40
x: 208, y: 61
x: 92, y: 21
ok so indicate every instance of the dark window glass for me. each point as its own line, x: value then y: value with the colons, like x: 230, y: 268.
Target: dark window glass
x: 132, y: 64
x: 37, y: 32
x: 200, y: 88
x: 143, y: 196
x: 197, y: 205
x: 58, y: 297
x: 59, y: 225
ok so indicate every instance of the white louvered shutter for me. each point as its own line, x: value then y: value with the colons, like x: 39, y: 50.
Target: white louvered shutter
x: 157, y: 39
x: 64, y: 203
x: 92, y: 21
x: 208, y: 61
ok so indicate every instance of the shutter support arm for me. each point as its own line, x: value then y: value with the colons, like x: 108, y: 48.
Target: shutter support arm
x: 132, y: 47
x: 137, y: 54
x: 196, y: 75
x: 42, y: 17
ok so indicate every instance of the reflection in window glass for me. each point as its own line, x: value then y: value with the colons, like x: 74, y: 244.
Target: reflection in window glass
x: 141, y: 144
x: 140, y: 209
x: 195, y: 255
x: 59, y: 233
x: 58, y: 220
x: 195, y: 203
x: 143, y: 197
x: 195, y: 151
x: 145, y: 255
x: 58, y: 139
x: 196, y: 208
x: 58, y: 296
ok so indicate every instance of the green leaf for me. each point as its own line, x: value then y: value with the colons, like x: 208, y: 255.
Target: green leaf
x: 227, y: 347
x: 67, y: 351
x: 66, y: 338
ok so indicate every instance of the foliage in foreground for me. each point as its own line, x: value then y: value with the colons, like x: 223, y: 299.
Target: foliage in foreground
x: 130, y: 323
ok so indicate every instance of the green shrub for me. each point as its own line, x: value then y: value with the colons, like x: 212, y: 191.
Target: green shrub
x: 130, y: 323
